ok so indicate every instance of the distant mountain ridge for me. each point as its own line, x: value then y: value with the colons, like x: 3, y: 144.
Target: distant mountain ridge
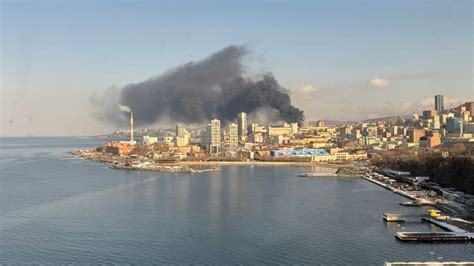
x: 391, y: 119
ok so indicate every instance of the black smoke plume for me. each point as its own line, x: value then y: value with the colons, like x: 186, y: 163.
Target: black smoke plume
x: 197, y: 92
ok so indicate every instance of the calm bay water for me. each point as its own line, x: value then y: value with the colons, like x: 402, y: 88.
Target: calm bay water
x: 55, y: 209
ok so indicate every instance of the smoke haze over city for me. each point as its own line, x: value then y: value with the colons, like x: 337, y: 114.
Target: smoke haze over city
x: 196, y: 92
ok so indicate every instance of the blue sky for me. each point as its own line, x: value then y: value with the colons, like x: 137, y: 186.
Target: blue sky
x: 55, y: 54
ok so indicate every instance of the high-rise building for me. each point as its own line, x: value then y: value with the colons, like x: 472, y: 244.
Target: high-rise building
x: 443, y: 118
x: 215, y: 132
x: 182, y: 136
x: 212, y: 137
x: 180, y: 130
x: 294, y: 128
x: 233, y: 135
x: 439, y: 103
x: 394, y: 130
x: 242, y: 126
x: 436, y: 122
x: 132, y: 142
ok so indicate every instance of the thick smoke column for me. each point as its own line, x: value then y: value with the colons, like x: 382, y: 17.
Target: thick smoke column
x: 199, y: 91
x: 245, y: 95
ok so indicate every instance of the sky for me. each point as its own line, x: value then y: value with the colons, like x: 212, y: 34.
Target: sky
x: 341, y: 60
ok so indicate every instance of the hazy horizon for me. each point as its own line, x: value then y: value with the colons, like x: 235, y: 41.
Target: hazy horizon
x: 347, y: 60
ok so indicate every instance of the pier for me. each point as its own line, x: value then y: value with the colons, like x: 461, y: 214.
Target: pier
x: 376, y: 182
x: 454, y: 233
x: 341, y: 172
x: 167, y: 169
x: 445, y: 226
x: 432, y: 236
x: 398, y: 191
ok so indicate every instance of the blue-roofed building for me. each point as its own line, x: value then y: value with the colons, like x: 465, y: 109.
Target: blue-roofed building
x: 318, y: 155
x: 299, y: 153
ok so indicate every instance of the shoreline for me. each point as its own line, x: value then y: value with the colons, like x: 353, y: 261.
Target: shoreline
x: 113, y: 159
x: 257, y: 163
x: 455, y: 217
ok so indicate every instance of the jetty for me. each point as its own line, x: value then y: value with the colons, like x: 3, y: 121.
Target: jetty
x: 445, y: 226
x: 453, y: 233
x: 433, y: 236
x: 168, y: 169
x: 386, y: 186
x: 341, y: 172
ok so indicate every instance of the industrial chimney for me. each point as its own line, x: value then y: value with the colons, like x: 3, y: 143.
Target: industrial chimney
x: 131, y: 128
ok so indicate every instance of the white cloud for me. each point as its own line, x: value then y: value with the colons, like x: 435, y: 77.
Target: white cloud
x: 379, y: 83
x: 307, y: 89
x: 304, y: 90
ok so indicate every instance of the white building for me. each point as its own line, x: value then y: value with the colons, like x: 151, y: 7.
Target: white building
x: 148, y: 140
x: 294, y: 128
x: 182, y: 136
x: 233, y: 135
x: 212, y: 136
x: 180, y: 130
x: 242, y: 126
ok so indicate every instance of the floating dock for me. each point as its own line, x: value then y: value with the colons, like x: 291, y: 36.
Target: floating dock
x: 444, y: 225
x: 432, y: 236
x: 392, y: 217
x: 430, y: 263
x: 455, y: 233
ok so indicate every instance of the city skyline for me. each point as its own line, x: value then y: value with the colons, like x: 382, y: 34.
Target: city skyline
x: 56, y: 55
x: 237, y: 132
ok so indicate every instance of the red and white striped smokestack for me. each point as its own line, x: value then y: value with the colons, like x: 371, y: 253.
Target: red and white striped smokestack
x: 131, y: 127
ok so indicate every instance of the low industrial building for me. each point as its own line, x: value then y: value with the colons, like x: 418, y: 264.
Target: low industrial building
x: 118, y: 148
